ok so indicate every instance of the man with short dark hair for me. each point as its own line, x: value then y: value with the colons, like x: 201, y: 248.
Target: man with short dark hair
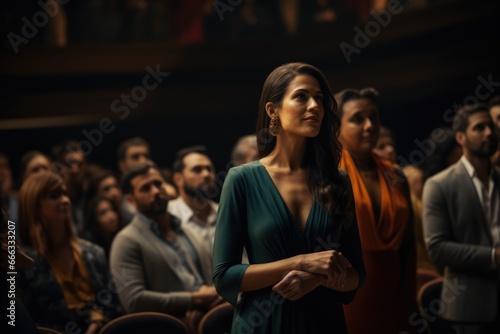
x: 158, y: 265
x: 131, y: 152
x: 461, y: 220
x: 70, y: 161
x: 194, y: 175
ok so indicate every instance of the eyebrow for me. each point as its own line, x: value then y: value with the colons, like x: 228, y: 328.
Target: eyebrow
x: 307, y: 91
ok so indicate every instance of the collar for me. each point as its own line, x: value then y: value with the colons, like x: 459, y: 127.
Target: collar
x: 180, y: 208
x: 153, y: 226
x: 470, y: 168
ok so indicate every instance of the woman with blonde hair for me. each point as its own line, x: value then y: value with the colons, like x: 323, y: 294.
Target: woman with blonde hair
x: 69, y: 285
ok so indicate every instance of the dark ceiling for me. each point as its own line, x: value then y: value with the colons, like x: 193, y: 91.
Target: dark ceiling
x: 423, y: 62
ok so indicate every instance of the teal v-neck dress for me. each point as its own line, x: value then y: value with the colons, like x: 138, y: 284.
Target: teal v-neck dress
x: 252, y: 214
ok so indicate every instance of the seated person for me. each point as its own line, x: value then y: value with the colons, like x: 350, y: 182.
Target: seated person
x: 35, y: 162
x: 156, y: 264
x: 102, y: 222
x: 69, y: 287
x: 105, y: 183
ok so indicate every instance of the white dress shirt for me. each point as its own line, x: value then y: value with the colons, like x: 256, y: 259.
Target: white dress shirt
x: 206, y: 229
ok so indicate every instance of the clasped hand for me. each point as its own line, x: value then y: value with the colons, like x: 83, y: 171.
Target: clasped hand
x: 327, y: 268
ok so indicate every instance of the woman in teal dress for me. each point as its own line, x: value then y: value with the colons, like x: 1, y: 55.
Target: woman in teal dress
x: 293, y: 212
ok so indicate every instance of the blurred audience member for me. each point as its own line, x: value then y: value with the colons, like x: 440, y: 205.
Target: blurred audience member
x: 130, y: 152
x: 415, y: 178
x: 68, y: 286
x: 461, y: 217
x: 494, y: 109
x: 105, y: 183
x: 386, y: 145
x: 384, y: 213
x: 70, y: 162
x: 102, y: 222
x: 158, y: 264
x: 35, y: 162
x: 20, y: 317
x: 169, y: 186
x: 245, y: 150
x: 194, y: 177
x: 445, y: 152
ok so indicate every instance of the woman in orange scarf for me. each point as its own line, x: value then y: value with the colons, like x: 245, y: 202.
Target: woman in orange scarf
x: 387, y: 301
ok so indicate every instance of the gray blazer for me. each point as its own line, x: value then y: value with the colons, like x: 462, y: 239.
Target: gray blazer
x: 144, y: 278
x: 459, y: 240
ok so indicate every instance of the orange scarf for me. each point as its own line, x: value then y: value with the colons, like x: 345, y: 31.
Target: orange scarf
x: 388, y: 231
x: 76, y: 286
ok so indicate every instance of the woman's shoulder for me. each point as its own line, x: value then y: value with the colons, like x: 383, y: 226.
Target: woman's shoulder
x: 243, y: 176
x: 245, y: 169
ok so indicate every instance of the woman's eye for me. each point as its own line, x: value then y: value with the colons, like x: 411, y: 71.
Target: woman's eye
x: 357, y: 119
x: 300, y: 96
x: 319, y: 98
x: 56, y: 195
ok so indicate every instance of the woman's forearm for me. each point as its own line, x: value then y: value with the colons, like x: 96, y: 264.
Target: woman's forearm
x: 259, y: 276
x: 329, y: 263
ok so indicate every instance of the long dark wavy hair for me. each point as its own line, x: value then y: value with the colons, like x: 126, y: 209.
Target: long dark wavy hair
x: 322, y: 155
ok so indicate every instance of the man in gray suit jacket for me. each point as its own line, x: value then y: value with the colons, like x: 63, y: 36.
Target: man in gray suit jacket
x: 156, y: 264
x: 461, y: 226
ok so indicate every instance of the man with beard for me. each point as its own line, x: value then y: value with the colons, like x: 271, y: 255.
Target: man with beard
x: 494, y: 108
x: 158, y: 265
x: 194, y: 175
x: 461, y: 226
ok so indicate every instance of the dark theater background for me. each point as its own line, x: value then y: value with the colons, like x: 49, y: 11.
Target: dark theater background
x: 103, y: 76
